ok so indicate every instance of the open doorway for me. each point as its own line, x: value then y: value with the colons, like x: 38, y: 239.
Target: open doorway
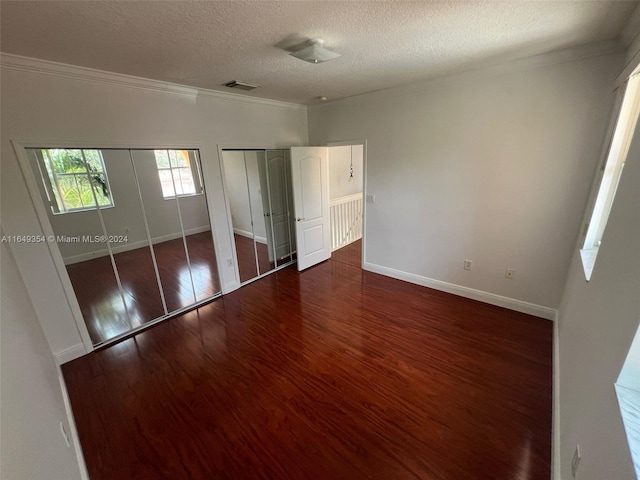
x: 346, y: 201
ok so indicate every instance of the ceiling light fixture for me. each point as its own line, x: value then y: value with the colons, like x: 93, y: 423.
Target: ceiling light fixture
x: 315, y: 52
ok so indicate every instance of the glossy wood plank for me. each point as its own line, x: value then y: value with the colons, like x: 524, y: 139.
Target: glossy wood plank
x: 332, y: 373
x: 351, y: 254
x: 99, y: 297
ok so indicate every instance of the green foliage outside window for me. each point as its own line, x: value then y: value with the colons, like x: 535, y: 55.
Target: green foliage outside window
x: 77, y: 179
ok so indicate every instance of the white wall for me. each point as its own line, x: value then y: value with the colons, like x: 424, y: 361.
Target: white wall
x: 339, y: 162
x: 492, y: 166
x: 242, y: 205
x: 235, y: 174
x: 31, y: 397
x: 44, y: 103
x: 597, y: 323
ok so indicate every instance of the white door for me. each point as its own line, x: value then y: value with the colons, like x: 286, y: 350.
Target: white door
x: 279, y: 208
x: 310, y: 178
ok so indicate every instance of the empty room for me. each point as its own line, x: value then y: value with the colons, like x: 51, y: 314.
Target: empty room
x: 319, y: 240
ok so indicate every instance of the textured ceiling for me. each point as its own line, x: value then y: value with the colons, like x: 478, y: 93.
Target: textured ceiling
x: 383, y: 44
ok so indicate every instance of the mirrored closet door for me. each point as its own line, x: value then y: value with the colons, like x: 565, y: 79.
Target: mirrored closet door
x: 133, y: 229
x: 259, y: 192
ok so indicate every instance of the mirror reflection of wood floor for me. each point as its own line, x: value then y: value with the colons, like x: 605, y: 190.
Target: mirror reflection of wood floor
x: 99, y: 297
x: 332, y: 373
x: 247, y: 258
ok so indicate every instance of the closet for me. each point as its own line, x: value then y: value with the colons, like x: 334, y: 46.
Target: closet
x: 260, y: 201
x: 132, y: 227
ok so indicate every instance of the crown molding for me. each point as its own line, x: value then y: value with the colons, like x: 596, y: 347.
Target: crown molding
x: 237, y: 98
x: 34, y: 65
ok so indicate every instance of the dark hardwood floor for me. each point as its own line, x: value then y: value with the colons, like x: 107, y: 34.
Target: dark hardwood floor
x: 332, y: 373
x: 350, y: 254
x: 102, y: 306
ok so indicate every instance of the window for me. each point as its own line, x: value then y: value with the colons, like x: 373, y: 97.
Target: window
x: 74, y: 179
x: 611, y: 172
x: 178, y: 173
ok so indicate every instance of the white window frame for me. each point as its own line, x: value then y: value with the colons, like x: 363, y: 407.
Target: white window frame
x: 52, y: 190
x: 194, y: 165
x: 619, y: 139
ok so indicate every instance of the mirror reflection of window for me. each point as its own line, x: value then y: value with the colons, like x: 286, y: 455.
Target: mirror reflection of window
x: 178, y: 173
x: 70, y: 176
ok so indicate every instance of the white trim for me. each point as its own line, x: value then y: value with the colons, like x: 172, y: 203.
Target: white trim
x: 108, y: 145
x: 70, y: 353
x: 37, y: 202
x: 84, y: 474
x: 217, y: 95
x: 132, y: 246
x: 230, y: 287
x: 486, y: 297
x: 555, y: 428
x: 630, y: 67
x: 235, y: 283
x: 245, y: 233
x: 46, y: 67
x: 346, y: 199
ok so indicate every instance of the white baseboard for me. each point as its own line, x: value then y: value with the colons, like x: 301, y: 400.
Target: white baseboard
x: 73, y: 431
x: 70, y: 353
x: 486, y: 297
x: 230, y: 287
x: 555, y: 429
x: 132, y: 246
x: 245, y: 233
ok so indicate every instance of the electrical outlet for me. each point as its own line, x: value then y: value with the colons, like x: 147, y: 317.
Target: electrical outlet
x: 229, y: 262
x: 575, y: 461
x: 510, y: 273
x: 467, y: 264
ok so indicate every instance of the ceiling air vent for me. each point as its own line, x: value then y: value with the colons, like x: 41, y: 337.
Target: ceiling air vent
x: 241, y: 85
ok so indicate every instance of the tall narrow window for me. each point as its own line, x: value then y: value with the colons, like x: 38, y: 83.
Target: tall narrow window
x: 178, y: 173
x: 74, y: 179
x: 611, y: 172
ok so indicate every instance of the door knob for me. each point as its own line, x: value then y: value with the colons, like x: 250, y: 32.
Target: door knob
x: 300, y: 219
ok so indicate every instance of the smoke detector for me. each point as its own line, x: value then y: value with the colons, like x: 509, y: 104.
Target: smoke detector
x: 315, y: 52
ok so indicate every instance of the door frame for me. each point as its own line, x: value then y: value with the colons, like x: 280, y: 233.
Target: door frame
x: 362, y: 142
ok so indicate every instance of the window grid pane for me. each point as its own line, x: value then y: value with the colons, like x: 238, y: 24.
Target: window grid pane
x: 175, y: 173
x: 74, y: 182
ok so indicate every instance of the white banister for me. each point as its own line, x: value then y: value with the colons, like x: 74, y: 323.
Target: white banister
x: 346, y: 220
